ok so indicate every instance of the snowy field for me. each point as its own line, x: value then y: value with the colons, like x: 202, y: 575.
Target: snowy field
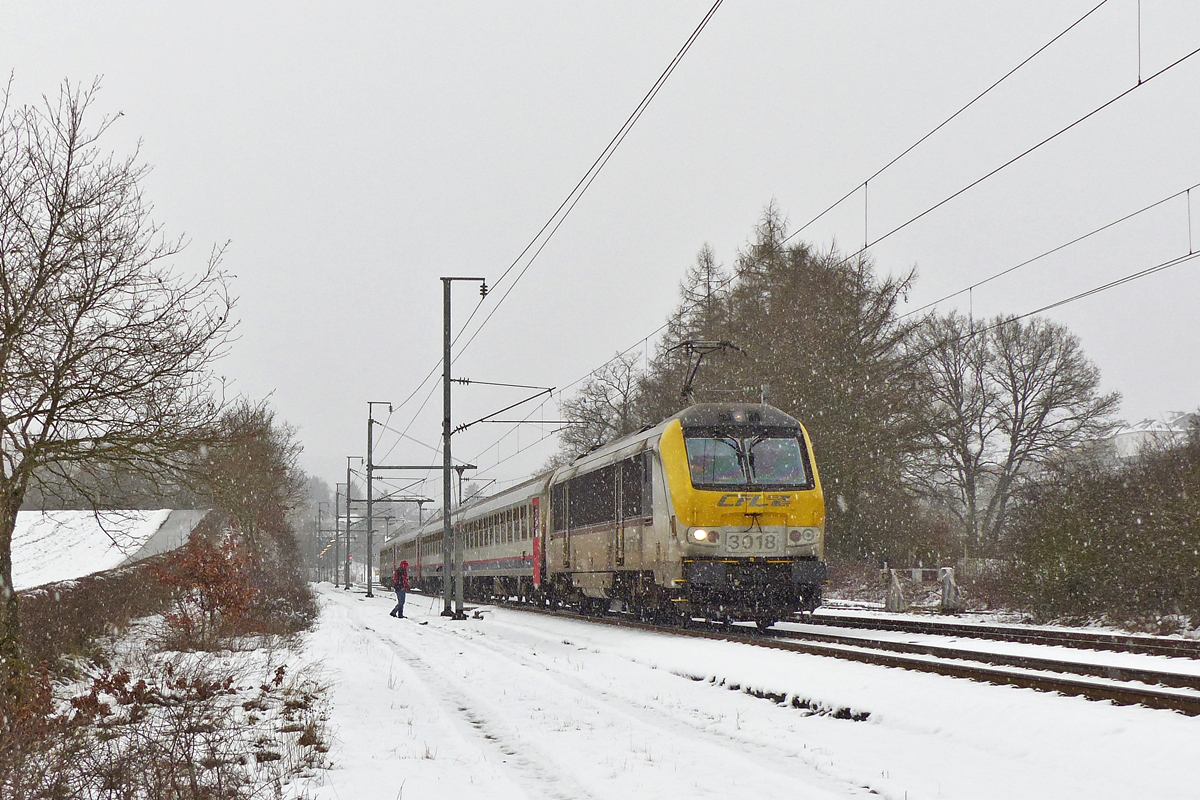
x: 517, y: 705
x: 50, y: 546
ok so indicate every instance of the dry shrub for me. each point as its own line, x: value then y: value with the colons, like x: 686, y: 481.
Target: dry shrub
x: 185, y: 727
x: 36, y: 742
x: 853, y: 579
x: 1116, y: 542
x: 213, y: 593
x: 67, y: 619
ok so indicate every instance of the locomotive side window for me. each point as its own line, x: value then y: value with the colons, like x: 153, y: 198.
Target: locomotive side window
x: 593, y: 498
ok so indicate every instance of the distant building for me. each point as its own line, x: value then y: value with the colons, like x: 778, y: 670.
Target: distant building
x: 1129, y: 441
x: 53, y: 546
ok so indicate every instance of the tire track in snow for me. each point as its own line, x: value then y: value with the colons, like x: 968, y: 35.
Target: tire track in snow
x: 526, y: 765
x: 765, y: 758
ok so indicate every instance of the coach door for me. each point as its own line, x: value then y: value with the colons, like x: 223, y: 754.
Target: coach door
x: 535, y: 533
x: 619, y: 540
x: 558, y: 535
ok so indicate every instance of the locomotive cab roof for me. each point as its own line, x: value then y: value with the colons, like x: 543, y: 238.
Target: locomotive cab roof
x: 724, y: 415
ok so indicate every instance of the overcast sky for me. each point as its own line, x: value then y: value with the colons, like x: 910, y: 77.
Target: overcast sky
x: 355, y: 152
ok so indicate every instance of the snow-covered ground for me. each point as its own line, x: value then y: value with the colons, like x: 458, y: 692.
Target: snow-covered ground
x: 517, y: 705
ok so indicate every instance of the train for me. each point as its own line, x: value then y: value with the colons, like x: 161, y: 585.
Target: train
x: 715, y: 513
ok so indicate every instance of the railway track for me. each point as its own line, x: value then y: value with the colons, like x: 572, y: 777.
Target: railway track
x: 1119, y: 642
x: 1114, y: 672
x: 1122, y: 685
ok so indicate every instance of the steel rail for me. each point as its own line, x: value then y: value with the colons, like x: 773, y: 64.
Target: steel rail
x: 1122, y: 642
x: 1109, y: 671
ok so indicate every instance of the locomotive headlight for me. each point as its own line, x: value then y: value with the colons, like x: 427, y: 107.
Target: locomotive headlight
x: 801, y: 536
x: 703, y: 536
x: 700, y: 534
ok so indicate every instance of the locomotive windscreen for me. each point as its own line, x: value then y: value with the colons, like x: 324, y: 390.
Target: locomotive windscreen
x: 769, y: 460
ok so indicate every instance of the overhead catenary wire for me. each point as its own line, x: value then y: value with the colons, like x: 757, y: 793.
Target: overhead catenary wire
x: 1133, y: 276
x: 1026, y: 152
x: 1175, y: 261
x: 565, y: 207
x: 940, y: 125
x: 869, y: 243
x: 1053, y: 250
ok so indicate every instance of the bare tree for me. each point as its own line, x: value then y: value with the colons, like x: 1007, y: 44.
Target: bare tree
x: 962, y: 421
x: 1049, y: 401
x: 105, y: 352
x: 603, y: 409
x: 1008, y: 396
x: 251, y: 470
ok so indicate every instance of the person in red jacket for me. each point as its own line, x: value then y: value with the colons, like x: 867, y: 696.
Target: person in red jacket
x: 400, y: 584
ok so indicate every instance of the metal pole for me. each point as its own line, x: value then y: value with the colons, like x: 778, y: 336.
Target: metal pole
x: 370, y: 524
x: 459, y: 549
x: 448, y: 531
x: 446, y: 526
x: 337, y: 534
x: 317, y: 552
x: 347, y: 561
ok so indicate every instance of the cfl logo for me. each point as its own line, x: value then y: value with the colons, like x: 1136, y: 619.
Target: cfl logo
x: 736, y: 500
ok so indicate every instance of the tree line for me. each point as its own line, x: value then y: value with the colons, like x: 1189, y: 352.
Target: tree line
x: 931, y: 430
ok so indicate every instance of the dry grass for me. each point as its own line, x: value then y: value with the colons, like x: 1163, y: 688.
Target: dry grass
x: 179, y: 726
x: 67, y: 621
